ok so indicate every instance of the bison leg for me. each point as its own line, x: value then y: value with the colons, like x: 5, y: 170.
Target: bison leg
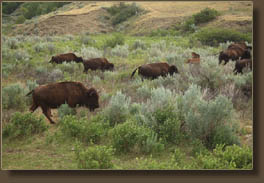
x: 33, y: 107
x: 46, y: 111
x: 49, y: 112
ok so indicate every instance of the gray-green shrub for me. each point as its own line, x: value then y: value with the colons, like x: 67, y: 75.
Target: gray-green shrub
x: 210, y: 121
x: 120, y: 51
x: 64, y: 110
x: 14, y: 96
x: 118, y: 108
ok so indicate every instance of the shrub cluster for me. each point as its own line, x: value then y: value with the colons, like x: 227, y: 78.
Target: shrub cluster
x: 130, y: 136
x: 122, y: 12
x: 203, y: 16
x: 209, y: 121
x: 82, y: 129
x: 14, y: 97
x: 118, y: 109
x: 64, y: 110
x: 214, y: 36
x: 120, y: 51
x: 230, y: 157
x: 116, y: 39
x: 94, y: 157
x: 24, y: 125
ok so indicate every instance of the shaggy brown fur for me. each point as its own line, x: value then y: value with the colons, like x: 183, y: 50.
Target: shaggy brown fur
x: 67, y: 57
x: 97, y: 63
x: 234, y: 52
x: 55, y: 94
x: 241, y: 64
x: 155, y: 70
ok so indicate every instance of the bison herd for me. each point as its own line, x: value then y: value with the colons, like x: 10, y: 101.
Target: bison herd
x: 76, y: 94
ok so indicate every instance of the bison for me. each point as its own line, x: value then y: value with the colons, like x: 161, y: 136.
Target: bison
x: 241, y: 64
x: 195, y: 59
x: 240, y: 45
x: 53, y: 95
x: 234, y: 52
x: 67, y: 57
x: 97, y: 63
x: 155, y: 70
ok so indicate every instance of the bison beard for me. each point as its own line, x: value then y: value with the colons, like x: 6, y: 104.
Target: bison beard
x: 97, y: 63
x: 155, y: 70
x: 55, y: 94
x: 67, y: 57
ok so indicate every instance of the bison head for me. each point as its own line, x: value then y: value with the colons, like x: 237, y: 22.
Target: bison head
x: 246, y: 55
x: 79, y: 59
x: 173, y: 69
x: 92, y: 99
x: 223, y: 56
x: 52, y: 59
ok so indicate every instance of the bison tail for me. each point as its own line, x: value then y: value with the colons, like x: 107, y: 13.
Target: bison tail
x: 133, y: 72
x: 29, y: 93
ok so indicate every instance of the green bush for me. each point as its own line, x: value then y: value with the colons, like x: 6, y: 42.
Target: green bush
x: 152, y: 144
x: 241, y: 156
x: 122, y: 12
x: 21, y: 19
x: 168, y: 125
x: 82, y: 129
x: 205, y: 15
x: 14, y: 97
x: 232, y: 157
x: 116, y: 39
x: 24, y: 125
x: 127, y: 135
x: 213, y: 36
x: 94, y: 157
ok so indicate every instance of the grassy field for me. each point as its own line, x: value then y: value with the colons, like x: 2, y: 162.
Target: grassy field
x: 200, y: 118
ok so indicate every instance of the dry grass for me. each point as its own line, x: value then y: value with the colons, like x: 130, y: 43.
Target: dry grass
x: 88, y: 17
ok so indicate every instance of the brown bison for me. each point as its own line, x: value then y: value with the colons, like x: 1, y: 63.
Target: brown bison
x: 55, y: 94
x: 240, y: 45
x: 195, y: 59
x: 155, y: 70
x: 241, y: 64
x: 67, y: 57
x: 97, y: 63
x: 234, y: 52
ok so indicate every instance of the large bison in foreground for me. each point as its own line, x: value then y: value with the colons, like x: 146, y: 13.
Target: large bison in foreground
x: 97, y: 63
x: 67, y: 57
x: 234, y: 52
x: 155, y: 70
x: 241, y: 64
x: 53, y: 95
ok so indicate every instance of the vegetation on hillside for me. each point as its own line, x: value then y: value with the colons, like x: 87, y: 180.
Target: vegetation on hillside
x: 200, y: 118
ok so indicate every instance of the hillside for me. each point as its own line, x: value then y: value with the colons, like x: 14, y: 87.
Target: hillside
x: 91, y: 17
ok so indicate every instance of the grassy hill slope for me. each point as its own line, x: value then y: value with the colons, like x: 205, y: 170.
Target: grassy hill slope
x: 91, y: 17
